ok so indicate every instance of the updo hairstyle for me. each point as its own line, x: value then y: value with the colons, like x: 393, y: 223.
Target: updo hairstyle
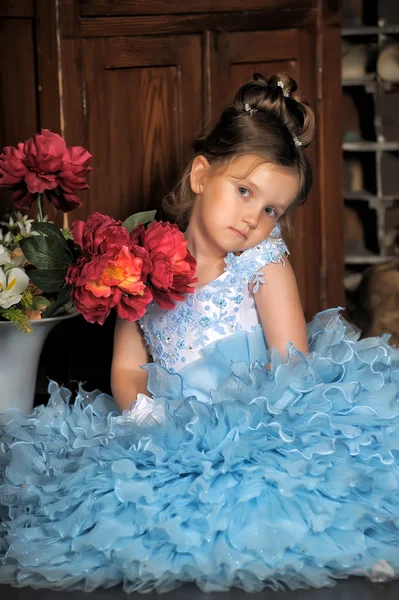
x: 265, y: 120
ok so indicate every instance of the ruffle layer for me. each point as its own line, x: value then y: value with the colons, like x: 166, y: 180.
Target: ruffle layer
x: 277, y: 478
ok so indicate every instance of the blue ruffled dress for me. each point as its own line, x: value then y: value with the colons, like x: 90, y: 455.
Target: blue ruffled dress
x: 246, y: 477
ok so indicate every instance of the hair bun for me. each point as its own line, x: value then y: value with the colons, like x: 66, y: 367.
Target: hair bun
x: 284, y: 82
x: 274, y: 96
x: 263, y: 120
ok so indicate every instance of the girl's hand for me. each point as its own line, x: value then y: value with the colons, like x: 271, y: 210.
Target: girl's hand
x: 142, y: 412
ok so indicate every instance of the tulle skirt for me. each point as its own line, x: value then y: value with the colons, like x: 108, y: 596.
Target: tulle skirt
x: 242, y: 477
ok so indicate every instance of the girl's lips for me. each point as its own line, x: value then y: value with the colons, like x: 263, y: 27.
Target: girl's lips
x: 241, y: 235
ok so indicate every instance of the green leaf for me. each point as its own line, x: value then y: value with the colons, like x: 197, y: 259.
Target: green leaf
x: 48, y: 229
x: 39, y: 301
x: 48, y: 280
x: 67, y: 233
x: 52, y: 231
x: 141, y: 217
x: 46, y: 252
x: 62, y: 298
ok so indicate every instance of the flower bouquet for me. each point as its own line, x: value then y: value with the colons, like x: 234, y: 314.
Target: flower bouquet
x: 99, y: 265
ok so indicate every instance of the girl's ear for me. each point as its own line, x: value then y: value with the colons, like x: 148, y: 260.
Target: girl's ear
x: 199, y: 171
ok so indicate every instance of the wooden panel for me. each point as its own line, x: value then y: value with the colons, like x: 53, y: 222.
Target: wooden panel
x: 18, y: 106
x: 166, y: 7
x: 49, y: 100
x: 235, y: 58
x: 73, y: 97
x: 47, y: 65
x: 330, y: 11
x: 143, y: 106
x: 19, y: 109
x: 330, y: 156
x: 258, y: 46
x: 196, y: 22
x: 242, y: 72
x: 17, y: 8
x: 69, y: 22
x: 307, y: 243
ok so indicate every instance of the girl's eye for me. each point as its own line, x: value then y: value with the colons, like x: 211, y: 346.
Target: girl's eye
x: 270, y: 211
x: 243, y: 191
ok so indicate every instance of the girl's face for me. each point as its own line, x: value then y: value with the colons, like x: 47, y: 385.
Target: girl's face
x: 237, y: 206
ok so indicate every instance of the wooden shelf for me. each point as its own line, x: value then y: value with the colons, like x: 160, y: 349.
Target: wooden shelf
x: 371, y: 211
x: 370, y: 198
x: 369, y: 30
x: 359, y: 196
x: 367, y: 258
x: 370, y: 146
x: 364, y: 82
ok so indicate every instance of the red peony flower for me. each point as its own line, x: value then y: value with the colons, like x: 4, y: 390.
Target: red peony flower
x: 173, y: 266
x: 100, y: 232
x: 111, y: 272
x: 44, y: 164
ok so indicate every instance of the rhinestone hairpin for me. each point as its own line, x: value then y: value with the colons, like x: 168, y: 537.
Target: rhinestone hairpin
x: 250, y: 110
x: 281, y: 84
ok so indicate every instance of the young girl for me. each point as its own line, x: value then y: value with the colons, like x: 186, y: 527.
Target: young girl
x: 253, y: 451
x: 246, y: 176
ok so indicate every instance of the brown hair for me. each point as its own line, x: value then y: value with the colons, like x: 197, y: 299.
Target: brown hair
x: 271, y: 130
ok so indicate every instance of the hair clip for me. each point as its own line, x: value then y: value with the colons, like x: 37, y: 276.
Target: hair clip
x: 297, y: 142
x: 250, y: 110
x: 281, y: 84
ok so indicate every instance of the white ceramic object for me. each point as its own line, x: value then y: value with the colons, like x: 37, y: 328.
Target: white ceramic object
x: 354, y: 61
x: 388, y: 63
x: 19, y: 359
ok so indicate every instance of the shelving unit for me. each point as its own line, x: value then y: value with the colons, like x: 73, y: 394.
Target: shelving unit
x: 367, y: 30
x: 369, y: 83
x: 374, y: 196
x: 371, y: 146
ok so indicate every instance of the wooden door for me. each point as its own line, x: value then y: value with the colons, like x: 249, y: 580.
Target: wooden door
x: 143, y: 104
x: 18, y: 101
x: 235, y: 57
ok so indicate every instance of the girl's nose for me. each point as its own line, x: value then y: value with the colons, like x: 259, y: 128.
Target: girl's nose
x: 251, y: 218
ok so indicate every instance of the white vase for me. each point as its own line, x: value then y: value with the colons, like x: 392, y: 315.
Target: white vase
x: 19, y: 359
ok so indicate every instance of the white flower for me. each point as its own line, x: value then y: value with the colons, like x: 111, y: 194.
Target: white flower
x: 19, y: 224
x: 9, y: 223
x: 25, y: 227
x: 13, y: 283
x: 5, y: 257
x: 25, y: 224
x: 11, y: 259
x: 5, y: 239
x: 44, y: 220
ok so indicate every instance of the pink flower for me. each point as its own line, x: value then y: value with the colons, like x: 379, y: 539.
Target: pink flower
x: 44, y: 164
x: 173, y: 266
x: 111, y: 273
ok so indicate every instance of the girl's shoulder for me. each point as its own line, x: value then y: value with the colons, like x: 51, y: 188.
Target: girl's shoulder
x: 245, y: 267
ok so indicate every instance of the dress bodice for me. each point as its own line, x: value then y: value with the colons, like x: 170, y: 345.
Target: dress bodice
x: 176, y: 337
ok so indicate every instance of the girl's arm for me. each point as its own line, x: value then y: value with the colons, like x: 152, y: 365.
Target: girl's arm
x: 280, y: 310
x: 130, y: 352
